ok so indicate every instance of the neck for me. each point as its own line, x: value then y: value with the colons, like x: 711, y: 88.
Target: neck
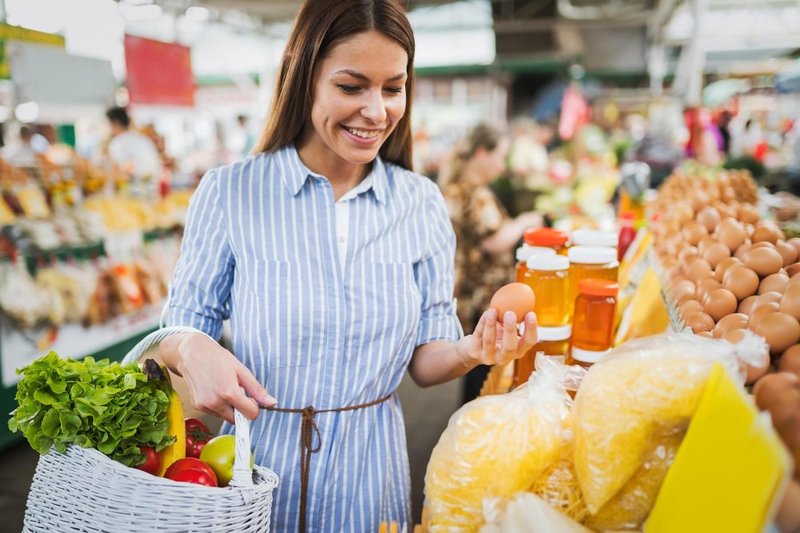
x: 470, y: 174
x: 342, y: 174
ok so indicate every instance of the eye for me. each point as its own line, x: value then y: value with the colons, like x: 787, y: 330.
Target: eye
x: 349, y: 89
x: 394, y: 90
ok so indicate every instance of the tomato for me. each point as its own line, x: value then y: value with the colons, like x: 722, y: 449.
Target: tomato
x: 191, y: 470
x: 195, y: 444
x: 152, y: 461
x: 196, y: 425
x: 219, y: 454
x: 197, y: 435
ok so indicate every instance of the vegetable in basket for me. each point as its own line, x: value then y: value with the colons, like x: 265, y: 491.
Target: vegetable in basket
x: 93, y: 404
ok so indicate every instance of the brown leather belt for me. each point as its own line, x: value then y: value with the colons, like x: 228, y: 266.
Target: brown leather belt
x: 308, y: 430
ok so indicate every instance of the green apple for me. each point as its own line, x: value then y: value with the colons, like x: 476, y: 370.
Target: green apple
x: 219, y: 453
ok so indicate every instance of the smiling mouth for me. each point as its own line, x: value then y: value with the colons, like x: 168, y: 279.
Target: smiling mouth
x: 364, y: 134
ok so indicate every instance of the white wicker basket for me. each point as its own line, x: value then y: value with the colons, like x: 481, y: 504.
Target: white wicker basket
x: 83, y: 490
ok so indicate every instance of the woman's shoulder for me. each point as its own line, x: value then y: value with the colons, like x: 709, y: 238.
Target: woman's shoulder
x: 244, y: 167
x: 406, y: 182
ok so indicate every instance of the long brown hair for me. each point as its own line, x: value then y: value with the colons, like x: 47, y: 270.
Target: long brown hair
x: 321, y: 25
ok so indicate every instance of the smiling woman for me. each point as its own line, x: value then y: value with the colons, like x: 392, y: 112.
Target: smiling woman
x: 334, y: 263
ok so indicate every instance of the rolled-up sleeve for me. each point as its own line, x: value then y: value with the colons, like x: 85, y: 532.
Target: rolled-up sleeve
x: 200, y: 290
x: 434, y: 275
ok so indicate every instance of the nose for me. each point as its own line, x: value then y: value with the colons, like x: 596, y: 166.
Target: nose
x: 374, y: 107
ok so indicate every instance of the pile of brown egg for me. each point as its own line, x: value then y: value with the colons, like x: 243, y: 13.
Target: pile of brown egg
x: 727, y: 271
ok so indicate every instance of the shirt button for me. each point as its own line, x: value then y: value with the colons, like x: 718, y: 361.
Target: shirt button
x: 341, y: 239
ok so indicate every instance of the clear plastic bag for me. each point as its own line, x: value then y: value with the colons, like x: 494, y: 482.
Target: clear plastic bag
x: 528, y: 513
x: 635, y: 400
x: 497, y: 446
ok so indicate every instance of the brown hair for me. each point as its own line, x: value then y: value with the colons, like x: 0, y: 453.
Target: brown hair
x: 320, y: 26
x: 481, y: 136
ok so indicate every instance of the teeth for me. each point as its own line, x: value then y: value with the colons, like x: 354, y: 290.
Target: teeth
x: 363, y: 134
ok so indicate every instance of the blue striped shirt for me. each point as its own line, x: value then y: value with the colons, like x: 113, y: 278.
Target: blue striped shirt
x: 260, y: 248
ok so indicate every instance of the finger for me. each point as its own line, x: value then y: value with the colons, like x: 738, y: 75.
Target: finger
x: 510, y: 339
x: 253, y: 388
x: 247, y: 406
x: 489, y: 338
x: 530, y: 336
x: 480, y: 328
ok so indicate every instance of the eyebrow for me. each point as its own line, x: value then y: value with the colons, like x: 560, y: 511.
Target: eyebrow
x: 360, y: 76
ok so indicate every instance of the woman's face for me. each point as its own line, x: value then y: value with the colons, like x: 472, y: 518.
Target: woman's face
x: 492, y: 163
x: 359, y: 97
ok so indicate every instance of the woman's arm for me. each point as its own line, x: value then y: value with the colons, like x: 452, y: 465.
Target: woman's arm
x: 509, y: 234
x: 492, y: 343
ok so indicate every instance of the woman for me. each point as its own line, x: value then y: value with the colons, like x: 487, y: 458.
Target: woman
x: 486, y: 234
x: 334, y: 264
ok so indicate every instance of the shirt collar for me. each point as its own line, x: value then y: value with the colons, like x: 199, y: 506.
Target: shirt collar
x: 297, y: 174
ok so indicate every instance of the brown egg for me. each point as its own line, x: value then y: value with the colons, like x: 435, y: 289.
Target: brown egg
x: 694, y: 232
x: 748, y: 213
x: 719, y: 303
x: 795, y: 241
x: 709, y: 217
x: 689, y: 306
x: 683, y: 212
x: 723, y: 265
x: 703, y: 287
x: 699, y: 322
x: 774, y: 283
x: 715, y: 253
x: 772, y: 297
x: 741, y: 250
x: 733, y: 336
x: 765, y: 233
x: 742, y: 281
x: 730, y: 322
x: 757, y: 315
x: 793, y: 270
x: 681, y: 290
x: 763, y: 261
x: 687, y: 254
x: 705, y: 334
x: 699, y: 200
x: 790, y: 360
x: 787, y: 251
x: 779, y: 330
x: 731, y: 233
x: 758, y: 368
x: 698, y: 269
x: 790, y: 303
x: 763, y: 244
x: 746, y: 305
x: 516, y: 297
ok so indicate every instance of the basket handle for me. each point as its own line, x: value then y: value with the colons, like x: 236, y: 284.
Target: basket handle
x: 242, y: 473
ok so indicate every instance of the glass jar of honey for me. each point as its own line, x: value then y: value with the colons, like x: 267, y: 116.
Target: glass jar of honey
x: 590, y: 262
x: 593, y: 237
x: 548, y: 238
x: 593, y: 322
x: 524, y: 253
x: 552, y: 341
x: 548, y: 276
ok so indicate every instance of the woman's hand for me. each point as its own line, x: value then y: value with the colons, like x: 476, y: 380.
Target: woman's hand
x: 215, y: 379
x: 496, y: 343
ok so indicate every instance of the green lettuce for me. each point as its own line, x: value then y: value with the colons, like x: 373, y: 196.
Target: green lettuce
x: 94, y: 404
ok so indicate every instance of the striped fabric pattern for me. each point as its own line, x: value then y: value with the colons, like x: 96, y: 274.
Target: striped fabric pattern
x: 260, y: 249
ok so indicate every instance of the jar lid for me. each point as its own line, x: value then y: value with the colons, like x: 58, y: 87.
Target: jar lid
x: 588, y: 356
x: 592, y: 255
x: 525, y: 252
x: 548, y: 262
x: 545, y: 237
x: 598, y: 287
x: 593, y: 237
x: 560, y: 333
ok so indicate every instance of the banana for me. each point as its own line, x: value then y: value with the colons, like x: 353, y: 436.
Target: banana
x: 175, y: 418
